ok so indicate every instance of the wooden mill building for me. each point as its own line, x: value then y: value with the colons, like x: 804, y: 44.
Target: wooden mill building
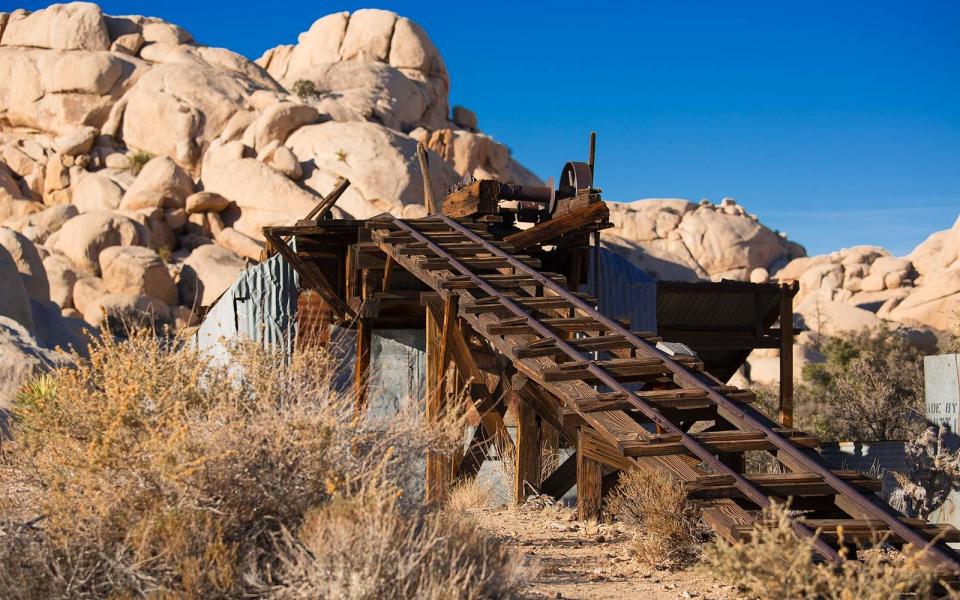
x: 500, y: 291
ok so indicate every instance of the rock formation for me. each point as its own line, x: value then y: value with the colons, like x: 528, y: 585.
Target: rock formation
x: 138, y: 167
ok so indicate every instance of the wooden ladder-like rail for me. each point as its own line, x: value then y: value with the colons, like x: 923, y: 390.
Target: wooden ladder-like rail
x: 532, y: 318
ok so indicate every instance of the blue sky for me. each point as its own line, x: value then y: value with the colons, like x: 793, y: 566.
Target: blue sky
x: 837, y: 122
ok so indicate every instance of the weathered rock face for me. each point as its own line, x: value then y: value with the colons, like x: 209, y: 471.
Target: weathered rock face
x: 137, y: 270
x: 679, y: 240
x: 73, y: 26
x: 378, y: 161
x: 207, y: 273
x: 15, y: 300
x: 28, y: 261
x: 82, y: 238
x: 21, y: 358
x: 160, y: 184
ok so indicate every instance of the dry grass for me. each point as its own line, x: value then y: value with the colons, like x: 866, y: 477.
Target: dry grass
x: 469, y: 495
x: 669, y: 532
x: 148, y: 471
x: 775, y: 563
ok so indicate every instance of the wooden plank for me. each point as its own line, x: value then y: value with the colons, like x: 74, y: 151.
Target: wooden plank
x: 527, y: 456
x: 589, y: 483
x: 622, y: 368
x: 480, y: 197
x: 556, y: 227
x: 717, y: 442
x: 477, y: 262
x: 781, y: 485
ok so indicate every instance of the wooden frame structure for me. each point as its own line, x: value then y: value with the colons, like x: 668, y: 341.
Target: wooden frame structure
x: 504, y: 317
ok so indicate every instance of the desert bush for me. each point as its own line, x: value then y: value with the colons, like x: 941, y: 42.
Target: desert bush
x: 469, y: 495
x: 776, y: 563
x: 669, y: 532
x: 304, y: 88
x: 148, y: 470
x: 366, y: 547
x: 138, y: 159
x: 933, y: 471
x: 871, y: 384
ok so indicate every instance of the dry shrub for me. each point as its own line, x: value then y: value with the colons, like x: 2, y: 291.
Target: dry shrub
x: 148, y: 470
x: 469, y: 495
x: 670, y: 533
x: 365, y: 547
x: 775, y: 563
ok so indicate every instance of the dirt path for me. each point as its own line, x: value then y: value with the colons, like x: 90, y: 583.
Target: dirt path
x: 589, y: 561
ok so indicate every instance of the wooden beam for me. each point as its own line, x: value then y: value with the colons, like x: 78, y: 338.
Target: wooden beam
x: 527, y: 455
x: 361, y: 374
x: 562, y: 479
x: 786, y: 355
x: 387, y: 273
x: 475, y: 454
x: 481, y: 399
x: 589, y: 482
x: 439, y: 470
x: 554, y: 228
x: 480, y: 197
x: 428, y: 200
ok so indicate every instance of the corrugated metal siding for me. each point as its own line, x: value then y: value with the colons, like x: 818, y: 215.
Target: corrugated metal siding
x: 626, y: 292
x: 260, y: 306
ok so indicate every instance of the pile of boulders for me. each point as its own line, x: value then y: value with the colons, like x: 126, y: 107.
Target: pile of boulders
x: 678, y: 240
x: 138, y: 167
x: 142, y: 166
x: 864, y: 287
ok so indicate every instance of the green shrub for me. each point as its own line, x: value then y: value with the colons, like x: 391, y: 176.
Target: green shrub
x: 304, y: 88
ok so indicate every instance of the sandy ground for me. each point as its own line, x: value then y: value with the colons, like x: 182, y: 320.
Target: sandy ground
x: 589, y: 561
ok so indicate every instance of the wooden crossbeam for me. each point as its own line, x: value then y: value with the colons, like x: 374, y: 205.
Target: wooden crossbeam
x: 716, y: 441
x: 554, y: 228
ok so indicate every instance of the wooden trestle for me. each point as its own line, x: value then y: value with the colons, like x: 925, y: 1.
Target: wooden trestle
x: 597, y: 384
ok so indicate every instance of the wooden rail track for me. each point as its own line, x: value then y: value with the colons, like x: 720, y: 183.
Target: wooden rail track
x: 599, y: 384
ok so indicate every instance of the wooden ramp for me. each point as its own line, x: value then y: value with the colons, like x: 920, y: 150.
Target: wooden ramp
x: 624, y: 403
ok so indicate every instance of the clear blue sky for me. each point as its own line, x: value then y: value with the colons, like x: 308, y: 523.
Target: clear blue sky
x: 837, y: 122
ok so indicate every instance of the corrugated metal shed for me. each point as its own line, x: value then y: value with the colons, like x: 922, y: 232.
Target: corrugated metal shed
x: 626, y: 292
x: 260, y: 306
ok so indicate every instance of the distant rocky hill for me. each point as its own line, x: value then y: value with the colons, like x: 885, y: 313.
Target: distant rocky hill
x: 138, y: 167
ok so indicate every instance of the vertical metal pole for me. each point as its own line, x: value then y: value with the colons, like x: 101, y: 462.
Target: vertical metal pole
x: 591, y: 162
x: 786, y: 355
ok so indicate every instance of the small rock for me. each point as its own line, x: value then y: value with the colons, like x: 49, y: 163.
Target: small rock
x: 206, y: 202
x: 116, y: 160
x: 78, y: 140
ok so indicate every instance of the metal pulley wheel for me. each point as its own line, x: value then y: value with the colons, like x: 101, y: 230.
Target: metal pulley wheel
x: 575, y: 176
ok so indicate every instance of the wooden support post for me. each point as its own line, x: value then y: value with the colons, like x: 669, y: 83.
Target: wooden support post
x: 428, y: 200
x: 449, y: 328
x: 440, y: 467
x: 589, y: 483
x: 786, y: 355
x: 387, y: 273
x: 361, y: 375
x: 527, y: 455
